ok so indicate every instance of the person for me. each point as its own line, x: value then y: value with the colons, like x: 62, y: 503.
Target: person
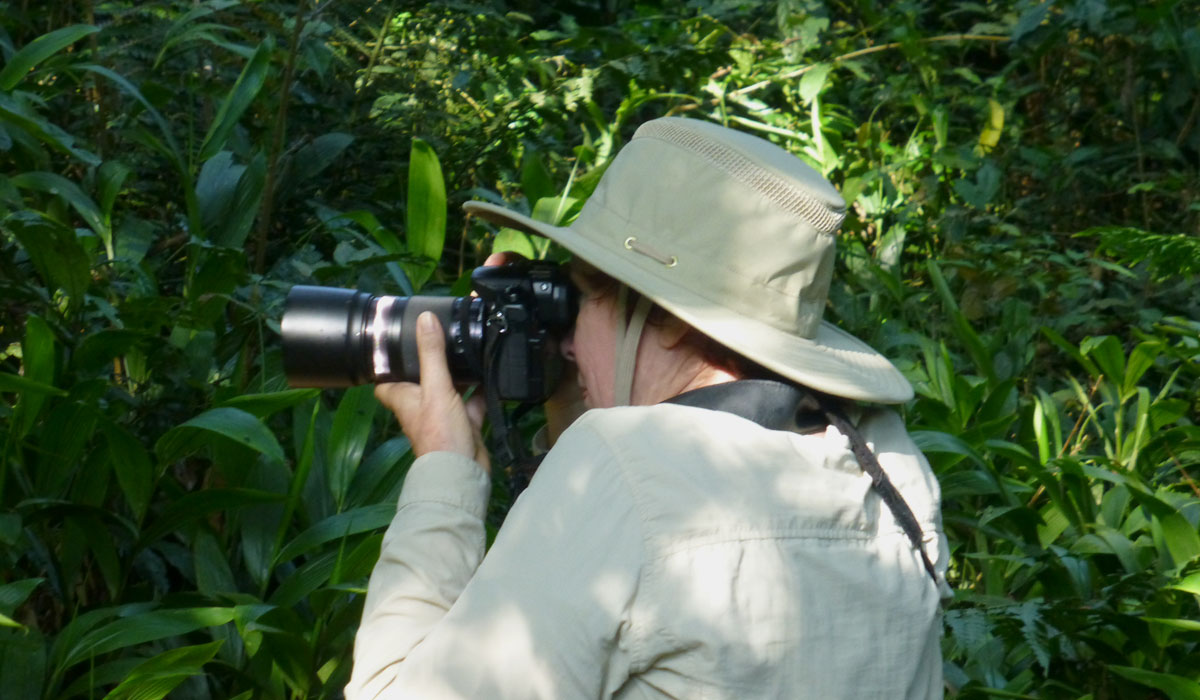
x: 708, y: 528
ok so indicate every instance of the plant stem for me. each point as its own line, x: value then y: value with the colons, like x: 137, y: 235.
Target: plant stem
x: 268, y: 203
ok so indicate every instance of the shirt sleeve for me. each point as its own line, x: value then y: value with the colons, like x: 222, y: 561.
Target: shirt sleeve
x: 547, y: 612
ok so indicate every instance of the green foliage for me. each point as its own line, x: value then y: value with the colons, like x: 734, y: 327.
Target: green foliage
x: 1021, y: 236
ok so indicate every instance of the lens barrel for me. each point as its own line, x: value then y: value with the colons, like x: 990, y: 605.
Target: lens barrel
x: 341, y: 337
x: 510, y: 331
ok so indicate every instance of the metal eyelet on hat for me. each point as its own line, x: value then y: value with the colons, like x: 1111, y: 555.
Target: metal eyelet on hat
x: 632, y: 243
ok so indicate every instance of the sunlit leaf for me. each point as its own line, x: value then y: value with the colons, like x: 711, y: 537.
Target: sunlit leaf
x: 154, y: 678
x: 40, y: 49
x: 1191, y: 584
x: 813, y: 81
x: 426, y: 210
x: 351, y: 522
x: 145, y: 627
x: 263, y: 405
x: 1176, y: 687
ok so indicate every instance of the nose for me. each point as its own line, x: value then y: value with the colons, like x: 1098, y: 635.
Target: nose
x: 568, y: 345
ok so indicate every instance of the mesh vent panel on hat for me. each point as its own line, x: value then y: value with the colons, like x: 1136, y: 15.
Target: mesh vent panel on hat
x: 788, y: 197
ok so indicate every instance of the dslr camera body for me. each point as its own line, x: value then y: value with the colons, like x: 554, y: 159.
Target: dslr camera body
x: 506, y: 337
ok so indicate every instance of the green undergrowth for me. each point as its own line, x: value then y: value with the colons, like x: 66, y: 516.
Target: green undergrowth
x: 1021, y: 237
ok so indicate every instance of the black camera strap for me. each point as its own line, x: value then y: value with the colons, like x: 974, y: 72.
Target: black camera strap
x: 777, y: 405
x: 506, y: 445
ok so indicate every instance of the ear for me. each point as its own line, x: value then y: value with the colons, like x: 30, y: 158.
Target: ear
x: 671, y: 332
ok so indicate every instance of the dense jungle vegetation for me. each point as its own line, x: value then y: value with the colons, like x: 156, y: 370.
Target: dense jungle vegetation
x: 1023, y: 239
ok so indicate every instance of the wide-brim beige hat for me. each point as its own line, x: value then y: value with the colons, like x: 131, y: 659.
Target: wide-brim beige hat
x: 733, y: 235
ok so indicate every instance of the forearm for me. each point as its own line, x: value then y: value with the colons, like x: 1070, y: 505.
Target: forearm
x: 430, y: 551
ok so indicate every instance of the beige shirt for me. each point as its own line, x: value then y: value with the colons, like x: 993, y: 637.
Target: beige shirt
x: 662, y: 552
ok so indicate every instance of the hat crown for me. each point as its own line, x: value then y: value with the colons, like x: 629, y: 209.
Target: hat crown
x: 723, y: 215
x: 734, y: 235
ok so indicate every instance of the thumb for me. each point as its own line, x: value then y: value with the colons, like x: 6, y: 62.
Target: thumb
x: 431, y: 353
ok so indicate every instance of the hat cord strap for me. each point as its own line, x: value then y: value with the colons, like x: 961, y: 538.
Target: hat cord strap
x: 629, y: 336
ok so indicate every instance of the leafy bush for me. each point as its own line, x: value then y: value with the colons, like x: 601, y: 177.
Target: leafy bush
x: 1022, y: 238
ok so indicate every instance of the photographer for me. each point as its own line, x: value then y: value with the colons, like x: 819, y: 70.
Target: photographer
x: 726, y: 521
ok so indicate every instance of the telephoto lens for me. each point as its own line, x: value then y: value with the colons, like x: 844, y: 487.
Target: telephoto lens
x: 507, y: 337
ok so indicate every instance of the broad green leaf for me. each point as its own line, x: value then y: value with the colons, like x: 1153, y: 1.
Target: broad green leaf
x: 145, y: 627
x: 1175, y: 623
x: 813, y: 81
x: 1176, y: 687
x: 426, y: 211
x: 1119, y: 545
x: 512, y: 240
x: 240, y: 96
x: 300, y: 476
x: 22, y: 664
x: 263, y: 405
x: 110, y: 178
x: 1191, y: 584
x: 60, y: 186
x: 348, y: 438
x: 97, y: 350
x: 228, y: 195
x: 1141, y: 358
x: 18, y: 115
x: 1178, y: 535
x: 167, y: 132
x: 39, y: 50
x: 229, y: 423
x: 101, y: 674
x: 351, y: 522
x: 937, y: 441
x: 380, y: 473
x: 198, y: 504
x: 12, y: 595
x: 155, y: 678
x: 100, y: 547
x: 310, y: 576
x: 38, y: 363
x: 974, y: 345
x: 22, y: 385
x: 132, y: 465
x: 186, y: 29
x: 1030, y: 20
x: 536, y: 182
x: 315, y: 157
x: 56, y: 253
x: 1106, y: 351
x: 213, y: 573
x: 1069, y: 348
x: 989, y: 137
x: 556, y: 211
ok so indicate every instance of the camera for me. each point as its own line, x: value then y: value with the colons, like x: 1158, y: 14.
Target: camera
x: 507, y: 337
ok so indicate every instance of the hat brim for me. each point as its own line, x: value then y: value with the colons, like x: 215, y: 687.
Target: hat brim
x: 833, y: 361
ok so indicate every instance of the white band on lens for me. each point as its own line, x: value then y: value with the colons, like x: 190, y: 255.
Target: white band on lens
x: 378, y: 332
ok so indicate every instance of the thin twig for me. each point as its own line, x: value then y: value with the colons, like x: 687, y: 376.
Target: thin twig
x: 268, y: 203
x: 1189, y: 122
x: 1079, y: 421
x: 1070, y: 436
x: 863, y: 52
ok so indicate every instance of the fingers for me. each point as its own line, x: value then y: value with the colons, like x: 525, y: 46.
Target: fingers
x: 476, y: 410
x: 398, y: 396
x: 503, y: 258
x: 431, y: 354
